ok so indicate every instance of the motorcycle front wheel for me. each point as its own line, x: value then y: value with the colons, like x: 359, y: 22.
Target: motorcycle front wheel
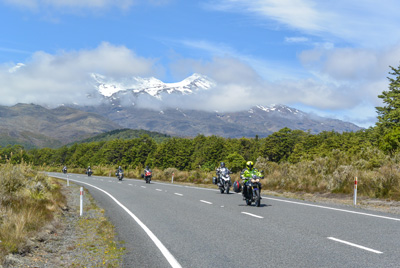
x: 227, y: 188
x: 257, y: 197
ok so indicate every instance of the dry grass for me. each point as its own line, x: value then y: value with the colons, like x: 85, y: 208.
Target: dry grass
x: 28, y: 201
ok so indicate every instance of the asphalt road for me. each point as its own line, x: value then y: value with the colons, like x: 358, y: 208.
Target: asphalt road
x: 169, y: 225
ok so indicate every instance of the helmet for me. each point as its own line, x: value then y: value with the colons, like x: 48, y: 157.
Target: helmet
x: 119, y: 167
x: 222, y: 164
x: 249, y: 164
x: 147, y: 167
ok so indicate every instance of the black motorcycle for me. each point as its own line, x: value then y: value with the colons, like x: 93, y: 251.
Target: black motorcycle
x: 89, y: 172
x: 120, y: 175
x: 251, y: 191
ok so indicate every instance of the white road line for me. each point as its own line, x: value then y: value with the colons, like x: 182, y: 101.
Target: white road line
x: 206, y: 202
x: 179, y: 194
x: 355, y: 245
x: 130, y: 184
x: 253, y: 215
x: 336, y: 209
x: 143, y: 186
x: 159, y: 190
x: 170, y: 258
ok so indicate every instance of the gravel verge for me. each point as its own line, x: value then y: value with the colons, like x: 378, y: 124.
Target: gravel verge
x: 71, y: 240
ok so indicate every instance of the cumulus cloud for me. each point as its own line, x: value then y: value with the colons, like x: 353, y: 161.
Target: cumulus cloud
x: 65, y: 77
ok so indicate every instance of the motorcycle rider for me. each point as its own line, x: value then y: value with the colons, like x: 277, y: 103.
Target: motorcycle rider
x: 64, y: 170
x: 147, y: 170
x: 119, y: 170
x: 220, y: 170
x: 247, y: 174
x: 147, y: 174
x: 88, y: 170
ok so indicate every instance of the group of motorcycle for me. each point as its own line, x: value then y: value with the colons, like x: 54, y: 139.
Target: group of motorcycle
x: 120, y: 173
x: 250, y: 189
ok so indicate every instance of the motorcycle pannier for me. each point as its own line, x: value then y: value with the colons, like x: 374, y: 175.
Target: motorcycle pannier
x: 215, y: 180
x: 237, y: 187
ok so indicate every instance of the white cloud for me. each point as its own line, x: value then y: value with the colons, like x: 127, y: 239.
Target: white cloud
x: 296, y: 39
x: 64, y: 78
x: 364, y: 23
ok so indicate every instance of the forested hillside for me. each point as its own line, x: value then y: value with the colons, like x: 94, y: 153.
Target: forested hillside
x: 126, y: 134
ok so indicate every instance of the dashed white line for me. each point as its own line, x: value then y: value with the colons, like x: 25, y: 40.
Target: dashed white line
x: 159, y: 190
x: 331, y: 208
x: 130, y: 184
x: 355, y: 245
x: 143, y: 186
x: 206, y: 202
x: 178, y: 194
x: 253, y: 215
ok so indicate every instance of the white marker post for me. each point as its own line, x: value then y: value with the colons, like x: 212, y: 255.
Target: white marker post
x: 355, y: 191
x: 172, y: 180
x: 67, y: 180
x: 81, y: 210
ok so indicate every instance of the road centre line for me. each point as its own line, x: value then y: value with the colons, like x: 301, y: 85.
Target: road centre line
x: 206, y: 202
x: 253, y: 215
x: 336, y: 209
x: 159, y: 190
x: 143, y: 186
x: 170, y: 258
x: 297, y: 203
x: 178, y: 194
x: 355, y: 245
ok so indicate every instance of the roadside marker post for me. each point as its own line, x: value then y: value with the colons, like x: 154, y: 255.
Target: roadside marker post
x: 67, y: 180
x: 172, y: 180
x: 355, y: 191
x: 81, y: 206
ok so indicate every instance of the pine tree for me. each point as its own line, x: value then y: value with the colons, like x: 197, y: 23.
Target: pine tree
x: 389, y: 115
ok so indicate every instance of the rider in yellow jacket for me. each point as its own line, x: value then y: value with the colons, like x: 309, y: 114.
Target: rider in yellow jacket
x: 247, y: 174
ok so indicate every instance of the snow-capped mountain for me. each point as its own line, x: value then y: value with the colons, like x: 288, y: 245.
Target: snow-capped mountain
x: 152, y: 86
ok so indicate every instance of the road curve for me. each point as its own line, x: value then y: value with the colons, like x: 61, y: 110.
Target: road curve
x: 169, y: 225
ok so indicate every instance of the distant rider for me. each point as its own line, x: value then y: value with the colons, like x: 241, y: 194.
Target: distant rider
x: 119, y: 170
x: 247, y: 174
x: 147, y: 171
x: 64, y: 170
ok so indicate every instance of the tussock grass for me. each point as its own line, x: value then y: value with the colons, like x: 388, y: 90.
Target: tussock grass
x: 28, y: 200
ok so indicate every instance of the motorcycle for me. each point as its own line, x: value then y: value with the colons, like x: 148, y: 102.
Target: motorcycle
x: 147, y: 176
x: 251, y: 191
x: 89, y: 172
x: 223, y: 180
x: 64, y: 170
x: 120, y: 175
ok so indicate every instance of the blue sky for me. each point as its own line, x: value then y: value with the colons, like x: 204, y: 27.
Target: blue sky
x: 331, y: 58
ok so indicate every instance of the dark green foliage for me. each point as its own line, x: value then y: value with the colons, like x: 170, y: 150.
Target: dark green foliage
x: 127, y: 134
x: 389, y: 115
